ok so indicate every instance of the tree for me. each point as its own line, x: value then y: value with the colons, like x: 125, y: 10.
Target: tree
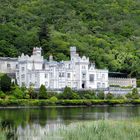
x: 135, y: 94
x: 100, y: 95
x: 5, y: 83
x: 67, y: 93
x: 43, y: 92
x: 31, y: 92
x: 109, y: 96
x: 18, y: 93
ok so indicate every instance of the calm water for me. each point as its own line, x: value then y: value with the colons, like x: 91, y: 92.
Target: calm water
x: 34, y: 123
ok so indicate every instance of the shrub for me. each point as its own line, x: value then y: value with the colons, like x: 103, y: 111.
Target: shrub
x: 138, y: 83
x: 100, y: 95
x: 18, y: 93
x: 5, y: 83
x: 2, y: 95
x: 67, y: 94
x: 75, y: 96
x: 12, y: 97
x: 120, y: 97
x: 43, y: 92
x: 109, y: 96
x: 53, y: 99
x: 87, y: 94
x: 135, y: 94
x: 128, y: 95
x: 112, y: 102
x: 31, y: 92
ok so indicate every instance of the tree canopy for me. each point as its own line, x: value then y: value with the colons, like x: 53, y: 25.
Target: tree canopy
x: 105, y: 30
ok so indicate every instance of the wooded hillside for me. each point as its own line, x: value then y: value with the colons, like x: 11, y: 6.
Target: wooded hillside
x: 108, y: 31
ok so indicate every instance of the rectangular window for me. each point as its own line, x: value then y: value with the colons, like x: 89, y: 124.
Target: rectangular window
x: 59, y: 74
x: 22, y: 76
x: 103, y: 85
x: 16, y: 65
x: 46, y: 75
x: 63, y: 74
x: 22, y: 68
x: 91, y: 77
x: 69, y: 66
x: 8, y: 66
x: 68, y: 75
x: 103, y: 76
x: 84, y: 67
x: 98, y: 85
x: 83, y: 75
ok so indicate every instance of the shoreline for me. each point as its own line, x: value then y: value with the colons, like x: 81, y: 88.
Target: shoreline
x: 37, y: 103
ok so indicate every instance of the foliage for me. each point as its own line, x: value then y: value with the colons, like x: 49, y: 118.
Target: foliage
x: 67, y: 93
x: 88, y: 94
x: 2, y: 95
x: 135, y: 94
x: 100, y: 95
x: 105, y: 27
x: 31, y: 92
x: 18, y: 93
x: 45, y: 102
x: 53, y: 99
x: 101, y: 129
x: 5, y: 83
x: 43, y: 92
x: 109, y: 96
x: 138, y: 83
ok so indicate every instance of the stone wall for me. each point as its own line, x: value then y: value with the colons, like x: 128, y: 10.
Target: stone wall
x: 122, y: 82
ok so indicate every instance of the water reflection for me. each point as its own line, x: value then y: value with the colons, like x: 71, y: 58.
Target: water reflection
x: 18, y: 123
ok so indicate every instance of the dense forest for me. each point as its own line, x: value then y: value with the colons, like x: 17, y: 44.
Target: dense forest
x: 108, y: 31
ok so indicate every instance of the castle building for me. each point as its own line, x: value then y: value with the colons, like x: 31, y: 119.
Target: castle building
x: 8, y: 65
x: 77, y: 73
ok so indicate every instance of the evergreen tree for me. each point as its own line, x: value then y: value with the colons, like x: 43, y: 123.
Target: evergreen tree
x: 43, y: 92
x: 5, y: 83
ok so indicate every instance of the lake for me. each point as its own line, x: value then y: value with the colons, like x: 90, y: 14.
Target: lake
x: 35, y: 123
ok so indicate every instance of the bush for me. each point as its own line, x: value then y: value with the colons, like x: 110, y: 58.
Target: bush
x: 113, y: 102
x: 120, y: 97
x: 88, y: 94
x: 31, y: 92
x: 138, y: 83
x: 18, y: 93
x: 53, y: 99
x: 109, y: 96
x: 68, y: 93
x: 43, y: 92
x: 2, y: 95
x: 128, y: 95
x: 135, y: 94
x: 75, y: 96
x: 5, y: 83
x: 100, y: 95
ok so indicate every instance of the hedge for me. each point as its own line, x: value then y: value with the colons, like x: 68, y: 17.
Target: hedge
x: 36, y: 102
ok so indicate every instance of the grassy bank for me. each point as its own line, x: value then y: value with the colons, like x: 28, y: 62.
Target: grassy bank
x: 39, y: 102
x: 100, y: 130
x: 88, y: 130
